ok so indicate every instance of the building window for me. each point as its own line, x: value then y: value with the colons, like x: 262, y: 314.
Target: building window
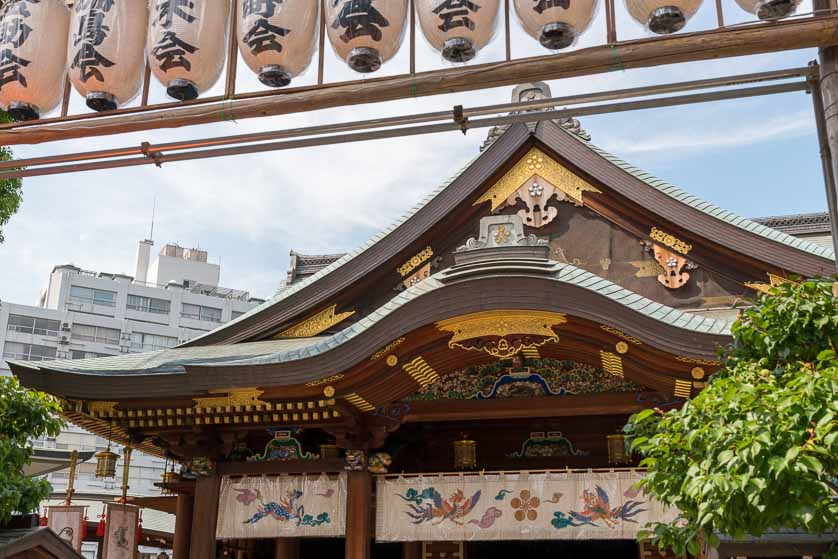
x: 93, y: 296
x: 141, y: 341
x: 77, y: 354
x: 198, y: 312
x: 32, y: 325
x: 28, y: 352
x: 148, y: 304
x: 236, y: 314
x: 96, y: 334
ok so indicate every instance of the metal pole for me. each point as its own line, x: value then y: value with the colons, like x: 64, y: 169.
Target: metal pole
x: 826, y: 154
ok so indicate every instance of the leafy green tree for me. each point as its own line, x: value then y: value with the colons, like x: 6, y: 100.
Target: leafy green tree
x: 10, y: 191
x: 757, y: 450
x: 24, y: 414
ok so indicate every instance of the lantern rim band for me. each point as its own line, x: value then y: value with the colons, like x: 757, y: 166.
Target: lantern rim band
x: 102, y: 101
x: 274, y: 75
x: 22, y: 111
x: 666, y: 20
x: 557, y: 35
x: 364, y: 59
x: 775, y: 9
x: 458, y: 49
x: 182, y: 89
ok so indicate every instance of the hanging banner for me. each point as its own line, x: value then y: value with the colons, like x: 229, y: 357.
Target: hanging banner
x: 519, y: 506
x: 121, y: 531
x: 282, y: 507
x: 67, y: 523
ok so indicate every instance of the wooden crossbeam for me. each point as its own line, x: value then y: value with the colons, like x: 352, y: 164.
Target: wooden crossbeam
x: 744, y: 40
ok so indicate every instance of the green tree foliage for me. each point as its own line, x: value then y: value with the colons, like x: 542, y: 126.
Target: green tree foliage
x: 757, y: 450
x: 24, y: 414
x: 10, y: 192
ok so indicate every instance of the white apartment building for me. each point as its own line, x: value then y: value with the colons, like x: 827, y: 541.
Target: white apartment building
x: 84, y: 314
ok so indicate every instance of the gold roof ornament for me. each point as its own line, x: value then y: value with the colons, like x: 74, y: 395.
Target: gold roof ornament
x: 232, y: 397
x: 670, y: 241
x: 316, y: 324
x: 516, y: 330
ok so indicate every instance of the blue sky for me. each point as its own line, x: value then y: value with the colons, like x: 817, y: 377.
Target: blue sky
x: 756, y: 157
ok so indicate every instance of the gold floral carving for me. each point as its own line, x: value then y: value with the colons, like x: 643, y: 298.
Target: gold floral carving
x: 694, y: 361
x: 316, y: 324
x: 326, y: 380
x: 697, y: 373
x: 672, y: 276
x: 622, y: 347
x: 387, y: 349
x: 612, y: 363
x: 329, y: 392
x: 421, y: 372
x: 503, y: 325
x: 773, y: 281
x: 536, y: 162
x: 669, y: 240
x: 622, y: 335
x: 646, y: 268
x: 359, y: 402
x: 101, y: 408
x: 683, y: 389
x: 417, y: 260
x: 232, y: 397
x: 392, y: 360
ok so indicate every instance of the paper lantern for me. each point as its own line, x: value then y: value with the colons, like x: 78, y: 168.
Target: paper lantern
x: 663, y: 16
x: 105, y: 53
x: 366, y: 33
x: 33, y: 48
x: 458, y: 28
x: 106, y: 463
x: 465, y: 454
x: 769, y: 9
x: 277, y: 39
x: 186, y: 44
x: 555, y: 23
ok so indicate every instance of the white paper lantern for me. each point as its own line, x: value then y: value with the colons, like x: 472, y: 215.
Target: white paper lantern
x: 458, y: 28
x: 186, y: 44
x: 277, y: 39
x: 555, y: 23
x: 105, y: 52
x: 366, y: 33
x: 769, y: 9
x: 663, y: 16
x: 33, y: 48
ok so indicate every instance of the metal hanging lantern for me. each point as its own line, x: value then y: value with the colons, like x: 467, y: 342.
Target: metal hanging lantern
x: 105, y: 53
x: 186, y: 45
x: 106, y: 463
x: 33, y: 42
x: 465, y: 454
x: 458, y: 28
x: 769, y: 9
x: 663, y: 17
x: 556, y: 25
x: 366, y: 33
x: 277, y: 40
x: 169, y: 477
x: 617, y: 452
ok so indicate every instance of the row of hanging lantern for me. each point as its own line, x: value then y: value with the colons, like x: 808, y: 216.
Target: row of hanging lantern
x: 105, y: 43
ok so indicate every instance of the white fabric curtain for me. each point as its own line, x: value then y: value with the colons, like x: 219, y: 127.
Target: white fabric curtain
x: 518, y: 506
x: 282, y: 507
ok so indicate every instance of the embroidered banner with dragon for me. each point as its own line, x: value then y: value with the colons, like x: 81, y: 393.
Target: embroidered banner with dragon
x: 518, y: 506
x: 282, y: 507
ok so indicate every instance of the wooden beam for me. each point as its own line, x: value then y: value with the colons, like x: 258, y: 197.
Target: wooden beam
x: 583, y: 404
x: 641, y: 53
x: 287, y: 548
x: 204, y: 517
x: 276, y: 467
x: 183, y: 526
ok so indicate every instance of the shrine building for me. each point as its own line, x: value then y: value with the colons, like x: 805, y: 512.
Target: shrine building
x: 456, y: 386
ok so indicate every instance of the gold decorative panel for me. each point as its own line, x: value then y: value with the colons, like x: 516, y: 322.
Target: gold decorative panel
x: 359, y: 402
x: 317, y: 324
x: 683, y: 388
x: 531, y: 353
x: 694, y: 361
x: 516, y: 330
x: 773, y: 281
x: 621, y: 334
x: 536, y: 162
x: 612, y: 363
x: 416, y: 261
x: 101, y: 409
x: 421, y: 372
x: 387, y: 349
x: 669, y: 240
x: 232, y: 397
x: 646, y: 268
x: 326, y: 380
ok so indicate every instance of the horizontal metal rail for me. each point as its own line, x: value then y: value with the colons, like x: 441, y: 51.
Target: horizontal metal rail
x: 371, y: 130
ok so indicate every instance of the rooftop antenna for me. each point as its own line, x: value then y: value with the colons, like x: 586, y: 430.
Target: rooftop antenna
x: 153, y: 211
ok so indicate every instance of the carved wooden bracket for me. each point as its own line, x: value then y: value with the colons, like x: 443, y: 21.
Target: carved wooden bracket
x: 673, y: 263
x: 535, y: 193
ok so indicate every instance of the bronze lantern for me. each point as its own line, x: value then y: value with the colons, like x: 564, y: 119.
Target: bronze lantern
x: 617, y: 452
x: 465, y: 454
x: 106, y: 463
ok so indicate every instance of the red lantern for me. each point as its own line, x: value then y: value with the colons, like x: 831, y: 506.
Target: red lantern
x: 43, y: 521
x: 140, y: 528
x: 84, y: 528
x: 100, y: 530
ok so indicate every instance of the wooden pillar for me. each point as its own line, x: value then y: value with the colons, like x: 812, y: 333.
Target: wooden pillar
x: 287, y: 548
x: 412, y: 550
x: 829, y: 106
x: 204, y: 518
x: 183, y: 526
x: 358, y: 512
